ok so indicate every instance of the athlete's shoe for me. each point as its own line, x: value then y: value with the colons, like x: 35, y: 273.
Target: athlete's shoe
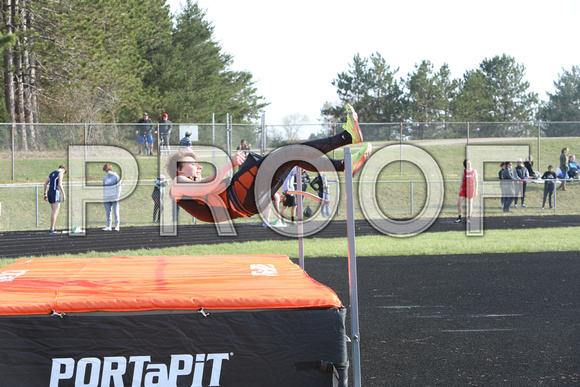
x: 352, y: 126
x: 51, y: 231
x: 360, y: 158
x: 458, y: 220
x: 279, y: 224
x: 117, y: 228
x: 107, y: 229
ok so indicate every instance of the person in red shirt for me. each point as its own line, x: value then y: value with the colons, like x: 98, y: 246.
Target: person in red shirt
x: 468, y: 190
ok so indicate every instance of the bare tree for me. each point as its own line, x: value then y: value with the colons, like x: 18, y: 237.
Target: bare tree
x: 292, y: 124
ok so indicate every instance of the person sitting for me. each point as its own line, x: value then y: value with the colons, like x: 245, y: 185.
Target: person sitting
x: 574, y: 171
x: 529, y: 164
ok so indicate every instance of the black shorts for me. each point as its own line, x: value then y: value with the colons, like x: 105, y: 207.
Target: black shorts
x: 53, y: 196
x: 290, y: 201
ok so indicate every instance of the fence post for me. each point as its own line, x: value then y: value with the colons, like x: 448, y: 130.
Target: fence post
x: 13, y: 142
x: 401, y: 148
x: 539, y: 136
x: 228, y: 150
x: 411, y: 197
x: 263, y: 135
x: 36, y: 206
x: 468, y: 133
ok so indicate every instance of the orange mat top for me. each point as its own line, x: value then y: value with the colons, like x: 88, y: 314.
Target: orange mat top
x: 66, y: 285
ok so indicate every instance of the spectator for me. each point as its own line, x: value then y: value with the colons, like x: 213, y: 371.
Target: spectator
x: 243, y: 146
x: 529, y: 164
x: 165, y: 127
x: 111, y: 193
x: 522, y: 175
x: 289, y: 200
x: 185, y: 141
x: 320, y: 185
x: 52, y: 194
x: 278, y: 222
x: 573, y: 168
x: 549, y: 176
x: 144, y: 129
x: 507, y: 186
x: 157, y: 196
x: 500, y: 175
x: 468, y: 190
x: 564, y: 167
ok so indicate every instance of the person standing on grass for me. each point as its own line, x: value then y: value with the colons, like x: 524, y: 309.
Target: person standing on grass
x: 52, y: 193
x: 500, y: 175
x: 564, y: 168
x: 507, y: 186
x: 144, y: 129
x: 468, y: 190
x: 111, y: 194
x: 522, y: 175
x: 165, y: 127
x: 549, y: 176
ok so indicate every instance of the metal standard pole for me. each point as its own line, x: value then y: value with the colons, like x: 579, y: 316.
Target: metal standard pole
x: 352, y: 279
x: 299, y: 217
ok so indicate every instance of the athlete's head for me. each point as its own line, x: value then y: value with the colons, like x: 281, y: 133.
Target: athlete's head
x: 467, y: 162
x: 184, y: 163
x: 108, y: 168
x: 63, y: 167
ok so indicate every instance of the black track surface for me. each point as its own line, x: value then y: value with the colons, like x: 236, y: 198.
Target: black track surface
x: 464, y: 320
x: 37, y: 243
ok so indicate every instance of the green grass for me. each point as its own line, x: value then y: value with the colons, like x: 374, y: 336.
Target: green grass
x: 452, y: 242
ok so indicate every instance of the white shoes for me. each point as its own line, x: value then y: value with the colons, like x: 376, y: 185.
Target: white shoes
x: 117, y: 228
x: 107, y: 229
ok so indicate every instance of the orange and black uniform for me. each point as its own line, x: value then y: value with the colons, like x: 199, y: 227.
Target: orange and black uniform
x: 239, y: 200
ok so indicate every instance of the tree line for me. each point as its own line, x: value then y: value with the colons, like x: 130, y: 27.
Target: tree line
x: 109, y: 61
x: 496, y: 92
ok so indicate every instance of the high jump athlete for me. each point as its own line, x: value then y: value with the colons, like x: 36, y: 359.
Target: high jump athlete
x: 236, y: 198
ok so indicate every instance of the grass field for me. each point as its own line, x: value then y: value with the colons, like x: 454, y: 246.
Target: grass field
x: 401, y: 194
x: 453, y: 242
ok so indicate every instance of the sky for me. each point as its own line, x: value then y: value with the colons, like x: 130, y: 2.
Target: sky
x: 295, y: 49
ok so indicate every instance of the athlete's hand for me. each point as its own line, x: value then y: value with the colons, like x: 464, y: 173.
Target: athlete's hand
x: 239, y: 158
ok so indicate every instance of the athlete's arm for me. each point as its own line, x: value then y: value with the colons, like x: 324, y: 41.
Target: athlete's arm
x: 60, y: 177
x: 45, y: 184
x: 474, y: 182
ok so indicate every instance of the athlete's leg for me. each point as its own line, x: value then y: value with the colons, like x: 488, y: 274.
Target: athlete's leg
x: 116, y: 211
x: 55, y: 207
x: 108, y: 213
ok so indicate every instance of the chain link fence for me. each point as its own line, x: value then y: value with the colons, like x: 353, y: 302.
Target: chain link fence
x: 28, y: 153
